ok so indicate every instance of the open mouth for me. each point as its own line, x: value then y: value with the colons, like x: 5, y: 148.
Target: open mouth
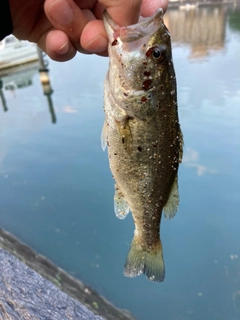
x: 144, y: 27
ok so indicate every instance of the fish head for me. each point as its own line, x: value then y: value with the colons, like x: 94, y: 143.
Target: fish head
x: 140, y: 57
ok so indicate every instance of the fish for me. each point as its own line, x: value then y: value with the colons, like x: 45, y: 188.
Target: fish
x: 143, y: 135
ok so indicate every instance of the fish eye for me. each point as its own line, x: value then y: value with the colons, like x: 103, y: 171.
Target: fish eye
x: 159, y: 53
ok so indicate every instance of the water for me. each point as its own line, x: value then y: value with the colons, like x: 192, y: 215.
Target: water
x: 57, y: 190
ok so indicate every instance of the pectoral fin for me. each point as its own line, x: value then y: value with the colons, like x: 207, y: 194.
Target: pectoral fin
x: 171, y: 206
x: 121, y: 207
x: 104, y: 136
x: 125, y: 134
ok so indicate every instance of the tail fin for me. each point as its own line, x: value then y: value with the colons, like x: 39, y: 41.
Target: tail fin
x: 148, y: 262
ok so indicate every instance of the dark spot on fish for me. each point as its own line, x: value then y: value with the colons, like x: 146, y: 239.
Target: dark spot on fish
x: 146, y: 84
x: 144, y: 99
x: 115, y: 153
x: 147, y: 73
x: 108, y: 144
x: 123, y: 139
x: 125, y: 93
x: 139, y: 148
x: 155, y: 145
x: 114, y: 42
x: 149, y: 52
x: 144, y: 45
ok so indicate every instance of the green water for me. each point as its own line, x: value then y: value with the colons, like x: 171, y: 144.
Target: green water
x: 57, y: 190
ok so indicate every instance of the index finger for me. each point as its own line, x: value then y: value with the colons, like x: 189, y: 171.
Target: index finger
x: 127, y: 12
x: 123, y: 12
x: 66, y: 16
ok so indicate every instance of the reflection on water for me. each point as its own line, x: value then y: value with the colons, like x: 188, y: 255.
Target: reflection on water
x: 56, y: 188
x: 201, y: 28
x: 4, y: 104
x: 192, y: 159
x: 21, y: 77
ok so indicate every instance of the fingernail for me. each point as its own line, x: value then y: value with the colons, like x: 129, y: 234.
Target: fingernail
x: 63, y: 49
x: 97, y: 44
x: 61, y: 12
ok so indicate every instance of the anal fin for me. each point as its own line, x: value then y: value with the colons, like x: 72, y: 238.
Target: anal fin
x: 121, y: 207
x: 171, y: 207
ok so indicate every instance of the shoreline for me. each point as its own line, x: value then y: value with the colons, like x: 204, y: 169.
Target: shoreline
x: 74, y: 288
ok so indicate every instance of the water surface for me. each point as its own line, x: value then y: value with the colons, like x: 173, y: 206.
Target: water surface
x: 57, y: 189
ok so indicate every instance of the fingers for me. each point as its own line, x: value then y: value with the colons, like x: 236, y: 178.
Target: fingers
x: 67, y: 17
x: 57, y: 45
x: 127, y: 12
x: 94, y: 38
x: 150, y: 6
x: 82, y: 31
x: 123, y: 12
x: 75, y: 26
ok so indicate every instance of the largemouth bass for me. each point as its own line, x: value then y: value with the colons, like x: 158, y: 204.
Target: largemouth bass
x: 143, y: 135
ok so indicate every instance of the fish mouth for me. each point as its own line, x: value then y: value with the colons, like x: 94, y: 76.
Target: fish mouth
x: 144, y: 27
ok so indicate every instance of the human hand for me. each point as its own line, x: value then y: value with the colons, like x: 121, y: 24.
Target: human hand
x: 63, y: 27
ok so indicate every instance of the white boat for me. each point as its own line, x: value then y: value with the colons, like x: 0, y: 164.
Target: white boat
x: 19, y: 76
x: 15, y: 52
